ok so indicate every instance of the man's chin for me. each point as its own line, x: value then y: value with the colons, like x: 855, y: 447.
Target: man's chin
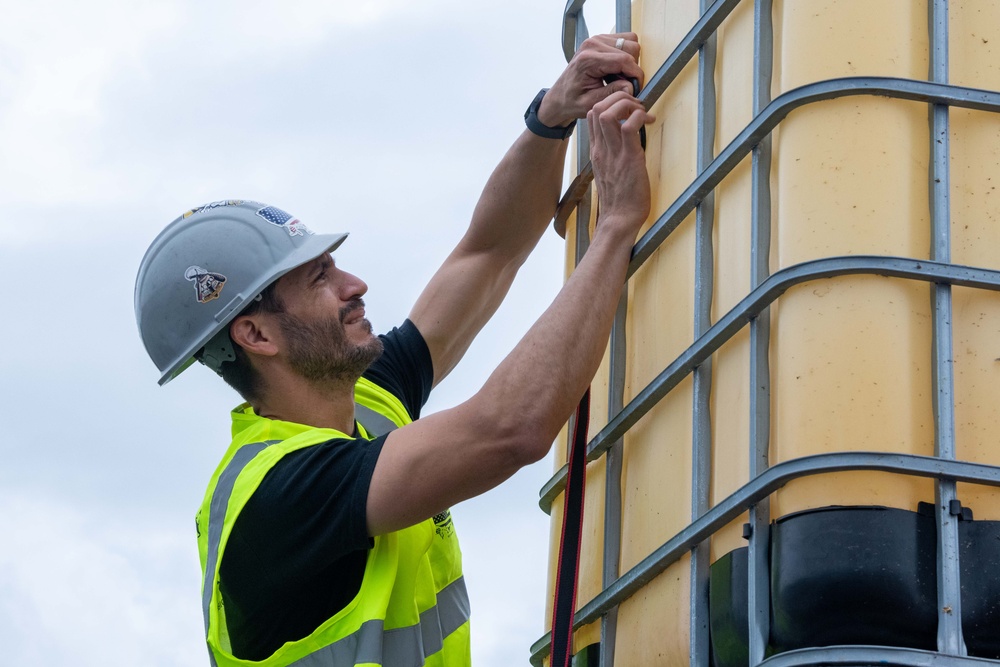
x: 361, y: 331
x: 371, y: 343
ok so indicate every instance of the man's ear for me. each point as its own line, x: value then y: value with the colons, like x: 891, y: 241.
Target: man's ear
x: 253, y: 334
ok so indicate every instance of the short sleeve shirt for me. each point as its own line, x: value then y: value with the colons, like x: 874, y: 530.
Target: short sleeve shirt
x: 297, y: 552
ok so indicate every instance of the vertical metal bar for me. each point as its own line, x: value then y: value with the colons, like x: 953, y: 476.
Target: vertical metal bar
x: 582, y: 158
x: 613, y: 480
x: 949, y: 639
x: 758, y: 575
x: 701, y: 473
x: 623, y: 16
x: 613, y: 460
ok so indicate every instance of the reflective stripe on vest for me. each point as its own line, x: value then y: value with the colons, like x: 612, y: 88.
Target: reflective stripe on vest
x: 375, y: 424
x: 217, y: 515
x: 405, y: 647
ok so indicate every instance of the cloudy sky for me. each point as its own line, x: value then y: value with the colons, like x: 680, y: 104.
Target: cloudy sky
x: 381, y: 118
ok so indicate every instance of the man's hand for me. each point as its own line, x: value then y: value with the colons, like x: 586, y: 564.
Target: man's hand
x: 581, y: 85
x: 619, y: 163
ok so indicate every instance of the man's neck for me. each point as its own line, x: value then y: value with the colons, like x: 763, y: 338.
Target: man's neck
x: 294, y: 399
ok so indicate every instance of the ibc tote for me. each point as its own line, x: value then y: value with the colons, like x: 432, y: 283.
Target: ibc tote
x: 811, y: 330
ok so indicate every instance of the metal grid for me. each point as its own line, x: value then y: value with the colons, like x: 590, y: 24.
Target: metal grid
x: 753, y: 311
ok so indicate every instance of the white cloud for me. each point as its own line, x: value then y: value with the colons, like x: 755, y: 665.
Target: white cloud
x: 60, y: 57
x: 84, y: 587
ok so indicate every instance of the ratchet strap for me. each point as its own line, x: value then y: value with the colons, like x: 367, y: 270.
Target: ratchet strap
x: 568, y: 565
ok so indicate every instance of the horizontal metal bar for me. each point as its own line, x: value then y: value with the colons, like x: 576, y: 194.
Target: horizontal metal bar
x: 654, y: 88
x: 762, y: 125
x: 864, y: 656
x: 755, y: 490
x: 727, y: 326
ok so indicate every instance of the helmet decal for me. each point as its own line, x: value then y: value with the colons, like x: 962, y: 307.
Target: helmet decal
x: 207, y: 285
x: 276, y: 216
x: 215, y: 204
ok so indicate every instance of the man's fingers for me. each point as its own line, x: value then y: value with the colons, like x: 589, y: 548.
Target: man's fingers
x: 602, y: 64
x: 615, y: 123
x: 619, y: 104
x: 617, y: 53
x: 624, y: 41
x: 636, y: 120
x: 613, y: 115
x: 599, y: 94
x: 632, y: 125
x: 594, y: 126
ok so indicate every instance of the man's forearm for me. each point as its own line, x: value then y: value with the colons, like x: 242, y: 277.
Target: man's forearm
x: 543, y: 378
x: 519, y: 199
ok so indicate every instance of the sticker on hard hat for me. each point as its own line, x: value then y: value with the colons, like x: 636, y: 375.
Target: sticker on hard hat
x: 215, y: 204
x: 276, y: 216
x: 207, y: 285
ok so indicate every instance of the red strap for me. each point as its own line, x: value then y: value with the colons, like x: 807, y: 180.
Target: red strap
x: 564, y: 604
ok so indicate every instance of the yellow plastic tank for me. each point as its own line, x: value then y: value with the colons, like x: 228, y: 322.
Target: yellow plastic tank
x: 850, y: 358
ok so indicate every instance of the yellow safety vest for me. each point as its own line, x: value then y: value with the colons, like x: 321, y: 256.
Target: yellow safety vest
x: 412, y: 609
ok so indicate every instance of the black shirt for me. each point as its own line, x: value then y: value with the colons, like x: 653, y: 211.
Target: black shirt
x: 297, y: 552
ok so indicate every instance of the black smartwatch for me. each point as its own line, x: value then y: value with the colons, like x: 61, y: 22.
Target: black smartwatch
x: 536, y: 126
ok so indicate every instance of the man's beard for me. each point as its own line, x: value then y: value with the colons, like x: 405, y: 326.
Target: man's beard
x: 321, y: 353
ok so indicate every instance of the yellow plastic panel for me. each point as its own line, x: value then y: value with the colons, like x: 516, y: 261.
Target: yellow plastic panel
x: 734, y: 74
x: 555, y: 533
x: 671, y: 142
x: 851, y: 371
x: 656, y: 486
x: 975, y: 188
x: 592, y: 544
x: 653, y: 625
x: 730, y: 409
x: 973, y: 42
x: 975, y: 218
x: 829, y: 39
x: 852, y: 179
x: 976, y: 333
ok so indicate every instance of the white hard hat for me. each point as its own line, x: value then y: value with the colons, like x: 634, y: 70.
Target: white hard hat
x: 205, y: 268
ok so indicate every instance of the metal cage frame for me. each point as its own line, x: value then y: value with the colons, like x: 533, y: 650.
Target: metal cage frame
x: 753, y: 312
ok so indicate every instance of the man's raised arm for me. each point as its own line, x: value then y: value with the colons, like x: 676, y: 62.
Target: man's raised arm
x: 440, y: 460
x: 515, y: 207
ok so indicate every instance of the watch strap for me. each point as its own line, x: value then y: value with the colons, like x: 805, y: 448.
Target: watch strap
x: 537, y: 127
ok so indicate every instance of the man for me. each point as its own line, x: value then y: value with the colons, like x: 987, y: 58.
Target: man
x: 325, y: 536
